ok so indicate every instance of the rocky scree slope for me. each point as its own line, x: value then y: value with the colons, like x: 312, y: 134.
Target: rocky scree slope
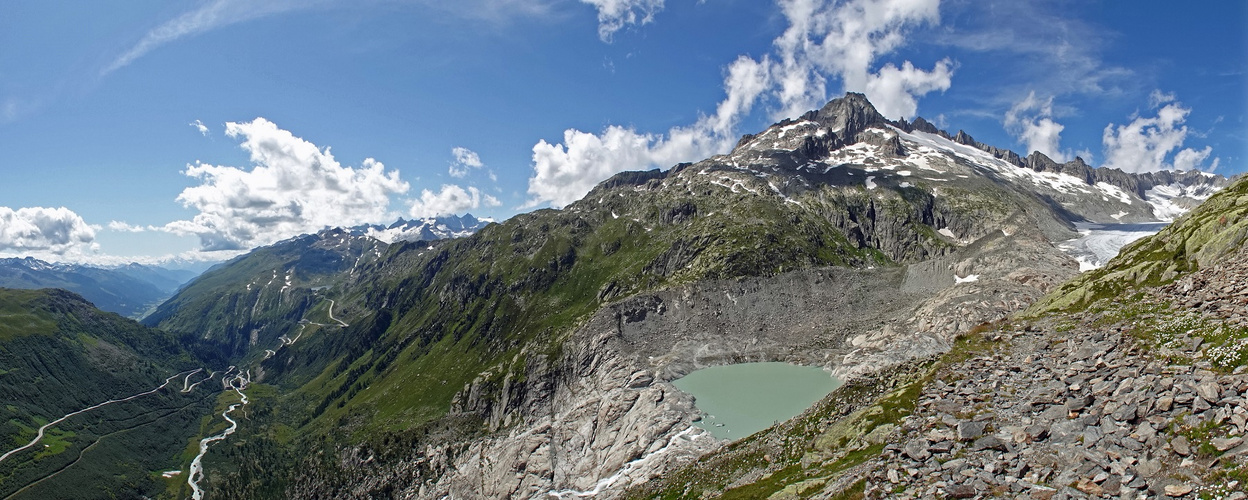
x: 537, y: 352
x: 1128, y: 382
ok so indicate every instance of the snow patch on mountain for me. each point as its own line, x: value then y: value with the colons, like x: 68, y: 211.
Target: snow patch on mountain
x: 427, y: 229
x: 1170, y: 202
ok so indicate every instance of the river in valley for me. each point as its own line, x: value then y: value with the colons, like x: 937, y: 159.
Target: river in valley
x: 739, y: 400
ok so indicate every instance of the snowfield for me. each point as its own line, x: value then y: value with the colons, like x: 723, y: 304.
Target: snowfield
x: 1101, y: 242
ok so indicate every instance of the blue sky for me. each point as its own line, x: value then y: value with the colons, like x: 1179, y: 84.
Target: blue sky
x: 145, y: 129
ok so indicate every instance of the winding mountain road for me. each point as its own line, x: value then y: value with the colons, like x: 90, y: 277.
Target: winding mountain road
x: 186, y: 382
x: 39, y: 435
x: 331, y: 314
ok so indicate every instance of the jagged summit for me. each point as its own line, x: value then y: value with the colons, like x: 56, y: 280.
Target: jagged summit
x: 848, y: 141
x: 849, y: 115
x: 423, y: 229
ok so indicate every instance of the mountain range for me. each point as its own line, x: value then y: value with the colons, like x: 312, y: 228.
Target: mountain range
x: 533, y: 357
x: 128, y: 290
x: 133, y: 290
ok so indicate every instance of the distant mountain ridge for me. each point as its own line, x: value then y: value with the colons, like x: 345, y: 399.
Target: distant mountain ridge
x: 128, y: 290
x: 849, y: 120
x: 258, y: 298
x: 429, y: 228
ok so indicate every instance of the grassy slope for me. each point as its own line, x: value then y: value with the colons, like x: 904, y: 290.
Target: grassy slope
x: 216, y: 315
x: 59, y: 354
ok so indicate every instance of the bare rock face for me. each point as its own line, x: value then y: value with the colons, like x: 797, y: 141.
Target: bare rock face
x: 593, y: 423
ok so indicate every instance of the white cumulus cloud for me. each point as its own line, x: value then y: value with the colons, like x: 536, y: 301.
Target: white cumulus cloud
x: 843, y: 40
x: 203, y: 129
x: 1191, y: 159
x: 825, y: 40
x: 614, y: 15
x: 44, y: 230
x: 896, y: 91
x: 1146, y: 144
x: 465, y: 159
x: 564, y: 172
x: 450, y: 200
x: 293, y: 188
x: 1031, y: 121
x: 1156, y: 98
x: 124, y: 227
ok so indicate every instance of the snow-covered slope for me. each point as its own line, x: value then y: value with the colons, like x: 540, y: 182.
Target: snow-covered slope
x: 1172, y: 200
x: 871, y: 150
x: 427, y: 229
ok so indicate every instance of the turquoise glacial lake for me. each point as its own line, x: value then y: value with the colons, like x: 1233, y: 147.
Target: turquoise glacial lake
x: 739, y: 400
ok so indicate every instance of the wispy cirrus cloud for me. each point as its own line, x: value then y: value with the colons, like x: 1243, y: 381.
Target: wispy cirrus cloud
x: 614, y: 15
x: 1046, y: 50
x: 209, y: 16
x: 214, y: 14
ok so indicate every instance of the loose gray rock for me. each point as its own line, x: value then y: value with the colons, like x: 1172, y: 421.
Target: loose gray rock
x: 968, y: 431
x: 1181, y: 446
x: 1223, y: 444
x: 960, y: 491
x: 917, y: 450
x: 989, y: 443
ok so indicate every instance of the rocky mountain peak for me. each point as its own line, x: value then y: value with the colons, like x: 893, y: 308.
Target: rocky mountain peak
x: 921, y: 125
x: 1040, y: 162
x: 965, y: 139
x: 849, y: 115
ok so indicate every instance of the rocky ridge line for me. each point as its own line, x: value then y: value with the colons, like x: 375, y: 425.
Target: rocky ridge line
x: 850, y: 116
